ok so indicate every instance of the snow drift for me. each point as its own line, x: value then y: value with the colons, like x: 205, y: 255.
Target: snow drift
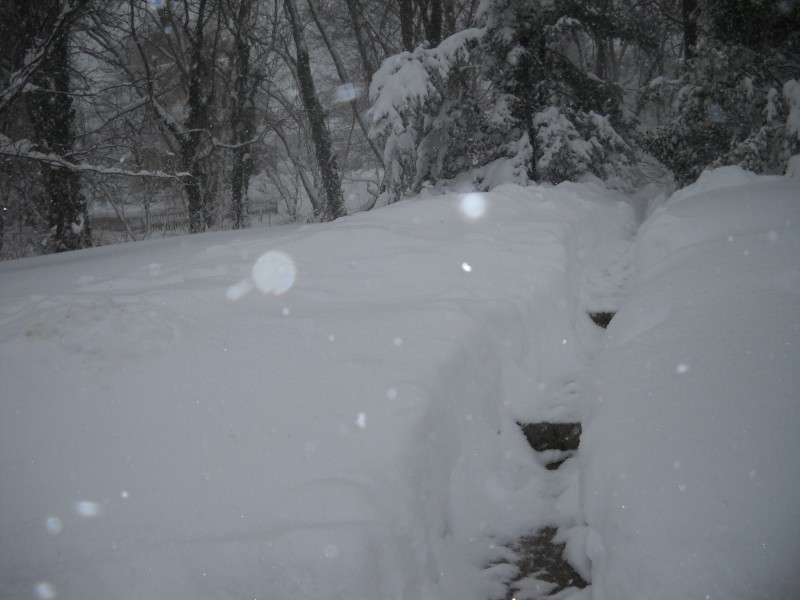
x: 689, y: 454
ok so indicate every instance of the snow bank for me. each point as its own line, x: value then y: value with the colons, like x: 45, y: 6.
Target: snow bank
x: 690, y: 444
x: 313, y: 413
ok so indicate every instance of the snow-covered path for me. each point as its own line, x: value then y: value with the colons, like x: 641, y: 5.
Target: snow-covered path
x: 331, y: 411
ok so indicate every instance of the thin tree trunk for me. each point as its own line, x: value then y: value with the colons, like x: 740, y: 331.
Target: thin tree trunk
x: 340, y: 70
x: 364, y: 50
x: 241, y: 119
x: 326, y: 159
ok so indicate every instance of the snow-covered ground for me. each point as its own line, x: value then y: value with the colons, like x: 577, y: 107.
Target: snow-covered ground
x: 329, y: 411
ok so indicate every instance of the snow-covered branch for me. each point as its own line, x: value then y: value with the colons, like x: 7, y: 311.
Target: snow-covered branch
x: 23, y: 149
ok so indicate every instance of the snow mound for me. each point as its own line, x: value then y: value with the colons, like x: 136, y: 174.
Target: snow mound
x: 717, y: 179
x: 688, y: 456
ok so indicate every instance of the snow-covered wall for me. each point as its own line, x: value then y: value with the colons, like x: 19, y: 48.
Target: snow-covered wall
x: 690, y: 480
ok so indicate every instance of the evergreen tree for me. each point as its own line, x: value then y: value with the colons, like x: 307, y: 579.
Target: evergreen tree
x: 562, y: 115
x: 736, y: 96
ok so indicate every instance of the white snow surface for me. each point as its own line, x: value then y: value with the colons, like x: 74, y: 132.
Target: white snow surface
x: 329, y: 411
x: 313, y: 412
x: 688, y: 459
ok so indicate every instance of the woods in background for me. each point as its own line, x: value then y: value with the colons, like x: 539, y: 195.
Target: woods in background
x: 128, y: 108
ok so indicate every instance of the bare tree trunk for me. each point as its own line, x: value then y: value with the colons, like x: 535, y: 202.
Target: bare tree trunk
x: 50, y: 108
x: 434, y: 28
x: 449, y: 17
x: 197, y: 122
x: 364, y: 50
x: 326, y: 159
x: 407, y: 24
x: 689, y: 14
x: 242, y: 116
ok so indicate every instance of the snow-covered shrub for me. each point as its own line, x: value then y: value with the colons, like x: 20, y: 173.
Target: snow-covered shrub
x: 424, y: 110
x: 572, y: 142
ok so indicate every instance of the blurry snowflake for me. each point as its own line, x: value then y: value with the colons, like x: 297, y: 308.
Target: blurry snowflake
x: 53, y: 525
x: 44, y: 590
x: 274, y: 273
x: 346, y: 93
x: 472, y: 206
x: 89, y: 509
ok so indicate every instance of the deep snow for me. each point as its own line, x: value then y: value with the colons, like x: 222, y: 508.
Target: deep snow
x: 329, y: 411
x: 168, y: 429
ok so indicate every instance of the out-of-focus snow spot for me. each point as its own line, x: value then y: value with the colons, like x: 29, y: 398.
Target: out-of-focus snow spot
x: 472, y: 206
x: 124, y: 495
x: 235, y: 292
x: 53, y: 525
x: 716, y: 113
x: 331, y: 551
x: 331, y: 338
x: 681, y: 487
x: 773, y: 236
x: 274, y: 273
x: 168, y: 29
x: 44, y: 590
x: 346, y: 92
x: 361, y: 420
x: 391, y: 393
x: 398, y: 341
x: 682, y: 368
x: 467, y: 267
x: 677, y: 465
x: 285, y: 311
x: 89, y: 509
